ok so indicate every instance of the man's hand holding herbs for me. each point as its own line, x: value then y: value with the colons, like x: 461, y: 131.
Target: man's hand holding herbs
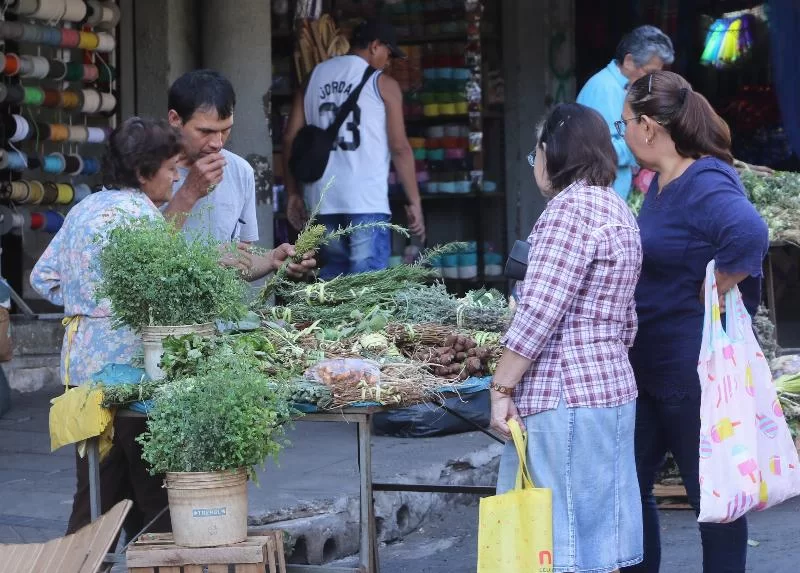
x: 254, y: 263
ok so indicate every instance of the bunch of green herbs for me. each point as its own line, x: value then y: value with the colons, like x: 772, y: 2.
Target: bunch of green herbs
x: 777, y: 198
x: 223, y: 420
x: 482, y: 309
x: 154, y: 276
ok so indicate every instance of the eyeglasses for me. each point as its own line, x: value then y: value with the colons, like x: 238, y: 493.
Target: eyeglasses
x: 621, y: 124
x: 532, y: 158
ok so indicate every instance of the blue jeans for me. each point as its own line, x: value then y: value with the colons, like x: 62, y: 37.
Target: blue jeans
x: 365, y: 250
x: 673, y: 425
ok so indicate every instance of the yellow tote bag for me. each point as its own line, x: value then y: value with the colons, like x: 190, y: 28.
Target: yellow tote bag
x: 515, y: 531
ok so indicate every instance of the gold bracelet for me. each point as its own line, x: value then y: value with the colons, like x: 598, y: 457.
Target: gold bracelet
x: 506, y: 390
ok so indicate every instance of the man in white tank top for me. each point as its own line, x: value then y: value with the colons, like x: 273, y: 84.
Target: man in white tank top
x: 370, y: 137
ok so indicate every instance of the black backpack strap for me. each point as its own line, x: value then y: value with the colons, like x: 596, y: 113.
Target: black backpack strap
x: 349, y: 103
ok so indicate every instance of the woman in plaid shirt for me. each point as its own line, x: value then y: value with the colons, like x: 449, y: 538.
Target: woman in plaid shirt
x: 565, y: 374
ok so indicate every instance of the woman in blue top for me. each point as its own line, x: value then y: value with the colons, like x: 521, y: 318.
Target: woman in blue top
x: 696, y: 210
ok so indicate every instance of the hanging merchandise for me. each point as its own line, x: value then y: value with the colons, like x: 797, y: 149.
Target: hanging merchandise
x: 102, y: 15
x: 731, y: 37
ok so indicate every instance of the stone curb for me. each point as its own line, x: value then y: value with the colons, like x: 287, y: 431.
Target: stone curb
x: 329, y: 530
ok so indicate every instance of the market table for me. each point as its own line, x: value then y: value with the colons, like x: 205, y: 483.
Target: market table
x: 368, y: 539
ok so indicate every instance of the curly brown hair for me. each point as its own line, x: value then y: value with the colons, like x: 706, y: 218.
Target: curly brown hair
x: 137, y: 148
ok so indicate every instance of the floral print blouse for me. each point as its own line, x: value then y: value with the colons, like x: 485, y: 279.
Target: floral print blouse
x: 68, y: 274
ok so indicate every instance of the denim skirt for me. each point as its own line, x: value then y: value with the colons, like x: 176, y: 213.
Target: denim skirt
x: 586, y: 456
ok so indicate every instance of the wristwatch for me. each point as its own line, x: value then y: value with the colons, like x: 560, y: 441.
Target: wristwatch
x: 507, y: 390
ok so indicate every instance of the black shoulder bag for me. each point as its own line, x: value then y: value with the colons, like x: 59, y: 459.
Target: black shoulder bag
x: 313, y: 145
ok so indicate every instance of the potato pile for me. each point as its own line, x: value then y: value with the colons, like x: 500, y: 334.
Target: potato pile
x: 459, y: 358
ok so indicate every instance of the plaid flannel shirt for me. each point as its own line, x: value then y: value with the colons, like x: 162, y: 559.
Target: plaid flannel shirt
x: 576, y: 316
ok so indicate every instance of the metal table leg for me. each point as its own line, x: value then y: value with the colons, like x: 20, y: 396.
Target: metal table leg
x: 93, y: 460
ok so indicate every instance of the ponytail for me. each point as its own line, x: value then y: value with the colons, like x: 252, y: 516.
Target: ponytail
x: 694, y: 126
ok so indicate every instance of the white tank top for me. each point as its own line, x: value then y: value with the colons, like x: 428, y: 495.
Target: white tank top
x: 359, y: 164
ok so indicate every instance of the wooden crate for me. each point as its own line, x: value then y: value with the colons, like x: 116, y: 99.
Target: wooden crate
x: 157, y: 553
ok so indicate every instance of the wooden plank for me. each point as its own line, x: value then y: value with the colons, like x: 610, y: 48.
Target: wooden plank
x: 217, y: 569
x: 368, y: 557
x: 660, y: 490
x: 142, y: 570
x: 170, y: 570
x: 250, y: 568
x: 271, y: 554
x: 249, y: 551
x: 193, y: 569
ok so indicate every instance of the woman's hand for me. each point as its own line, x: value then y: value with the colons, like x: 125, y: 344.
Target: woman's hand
x: 725, y: 282
x: 503, y: 409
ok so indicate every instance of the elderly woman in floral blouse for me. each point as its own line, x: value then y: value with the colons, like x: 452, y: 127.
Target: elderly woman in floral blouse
x: 140, y: 168
x: 564, y: 374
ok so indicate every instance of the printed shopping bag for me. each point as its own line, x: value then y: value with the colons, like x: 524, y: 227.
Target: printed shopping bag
x: 748, y: 460
x: 515, y: 531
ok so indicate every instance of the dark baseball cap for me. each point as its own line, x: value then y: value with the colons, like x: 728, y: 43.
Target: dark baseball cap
x: 382, y: 30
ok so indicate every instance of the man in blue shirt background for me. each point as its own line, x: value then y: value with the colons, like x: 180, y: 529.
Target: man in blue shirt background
x: 640, y: 52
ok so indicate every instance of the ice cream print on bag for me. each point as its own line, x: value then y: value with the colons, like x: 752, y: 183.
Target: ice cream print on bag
x: 748, y: 460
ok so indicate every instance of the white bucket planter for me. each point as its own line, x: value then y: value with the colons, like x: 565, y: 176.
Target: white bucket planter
x: 208, y: 508
x: 152, y: 337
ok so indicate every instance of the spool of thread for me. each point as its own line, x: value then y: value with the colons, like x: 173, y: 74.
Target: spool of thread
x: 54, y: 163
x: 3, y: 159
x: 11, y: 30
x: 52, y: 98
x: 25, y: 66
x: 82, y: 191
x: 37, y: 221
x: 75, y: 11
x: 20, y: 191
x: 32, y: 34
x: 88, y: 41
x: 25, y: 7
x: 50, y: 193
x: 11, y: 67
x: 69, y: 38
x: 97, y: 135
x: 33, y: 67
x: 109, y: 17
x: 91, y: 166
x: 33, y: 96
x: 90, y: 72
x: 53, y: 221
x: 78, y: 133
x: 16, y: 160
x: 43, y: 131
x: 94, y: 13
x: 37, y: 192
x: 107, y: 73
x: 22, y: 128
x: 73, y: 164
x: 9, y: 219
x: 51, y: 36
x: 59, y: 132
x: 50, y: 10
x: 105, y: 42
x: 41, y: 67
x: 58, y: 70
x: 65, y: 193
x: 70, y: 100
x: 74, y: 72
x: 108, y: 102
x: 91, y: 101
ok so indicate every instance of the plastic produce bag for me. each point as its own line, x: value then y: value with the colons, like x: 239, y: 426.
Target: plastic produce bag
x: 428, y: 420
x: 748, y: 460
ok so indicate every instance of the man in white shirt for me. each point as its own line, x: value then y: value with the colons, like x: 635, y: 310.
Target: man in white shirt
x: 371, y: 136
x: 216, y: 193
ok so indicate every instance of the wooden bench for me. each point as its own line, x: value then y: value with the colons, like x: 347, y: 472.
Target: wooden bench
x: 157, y: 553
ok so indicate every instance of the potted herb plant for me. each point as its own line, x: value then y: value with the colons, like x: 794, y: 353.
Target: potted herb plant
x: 206, y: 433
x: 162, y: 284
